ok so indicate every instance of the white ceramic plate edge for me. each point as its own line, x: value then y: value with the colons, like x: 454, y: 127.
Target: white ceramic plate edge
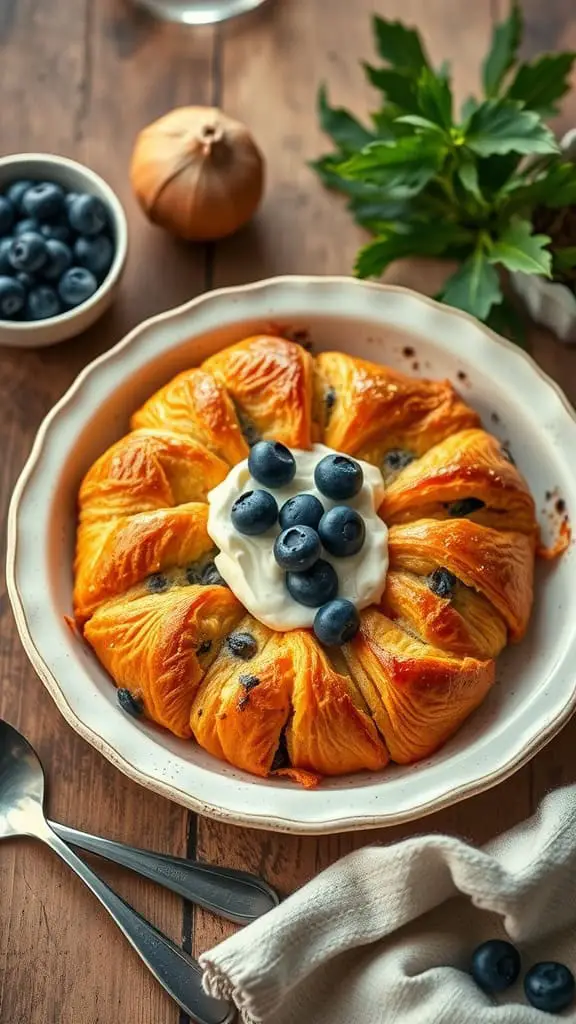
x: 556, y: 719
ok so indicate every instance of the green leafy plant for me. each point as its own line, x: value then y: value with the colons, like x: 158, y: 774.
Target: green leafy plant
x: 427, y: 183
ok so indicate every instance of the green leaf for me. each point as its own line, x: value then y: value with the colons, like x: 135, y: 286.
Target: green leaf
x: 559, y: 189
x: 399, y: 46
x: 495, y: 172
x: 367, y: 203
x: 468, y: 108
x: 386, y: 123
x: 397, y: 86
x: 502, y: 54
x: 516, y: 248
x: 379, y: 159
x: 326, y: 169
x: 434, y: 97
x: 416, y: 239
x: 475, y: 287
x: 501, y: 126
x: 564, y: 259
x: 542, y: 82
x: 445, y: 70
x: 419, y: 122
x: 504, y: 319
x: 348, y: 134
x: 404, y: 184
x: 554, y: 187
x: 467, y: 172
x: 372, y: 210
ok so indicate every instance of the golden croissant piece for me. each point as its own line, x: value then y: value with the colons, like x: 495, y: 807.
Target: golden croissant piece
x: 462, y: 543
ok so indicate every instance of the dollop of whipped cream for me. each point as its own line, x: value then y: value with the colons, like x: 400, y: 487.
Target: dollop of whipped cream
x: 248, y: 564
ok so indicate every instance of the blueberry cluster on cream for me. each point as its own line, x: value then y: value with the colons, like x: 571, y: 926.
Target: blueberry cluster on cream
x: 301, y: 543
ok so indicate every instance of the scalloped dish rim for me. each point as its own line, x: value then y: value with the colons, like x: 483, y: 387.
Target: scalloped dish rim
x: 272, y: 299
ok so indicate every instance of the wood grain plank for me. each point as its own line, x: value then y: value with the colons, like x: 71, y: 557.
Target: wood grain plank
x: 140, y: 69
x: 274, y: 62
x: 81, y: 79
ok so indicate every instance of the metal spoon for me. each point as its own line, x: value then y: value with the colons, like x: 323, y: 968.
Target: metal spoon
x: 21, y: 814
x: 235, y: 895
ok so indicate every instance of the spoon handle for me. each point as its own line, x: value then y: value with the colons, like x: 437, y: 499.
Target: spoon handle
x: 177, y: 972
x: 235, y: 895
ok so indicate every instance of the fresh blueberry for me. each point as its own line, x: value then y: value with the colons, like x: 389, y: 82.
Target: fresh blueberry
x: 5, y: 265
x: 26, y: 280
x: 94, y: 253
x: 397, y: 459
x: 211, y: 577
x: 281, y: 758
x: 457, y: 509
x: 59, y: 259
x: 254, y: 512
x: 495, y: 965
x: 87, y: 214
x: 297, y: 548
x: 42, y: 303
x: 549, y: 986
x: 342, y: 531
x: 442, y: 582
x: 242, y: 645
x: 76, y: 285
x: 28, y: 252
x: 271, y: 463
x: 193, y: 575
x: 6, y: 215
x: 248, y: 682
x: 70, y: 198
x: 338, y: 477
x: 329, y: 400
x: 23, y: 227
x: 157, y: 583
x: 12, y: 298
x: 15, y: 193
x: 44, y: 200
x: 301, y: 510
x: 129, y: 703
x: 61, y: 232
x: 315, y: 586
x: 336, y: 622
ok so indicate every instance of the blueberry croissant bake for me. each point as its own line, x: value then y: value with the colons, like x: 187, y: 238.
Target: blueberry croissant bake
x: 308, y: 565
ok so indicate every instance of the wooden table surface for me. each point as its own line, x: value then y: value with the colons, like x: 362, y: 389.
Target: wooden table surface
x: 80, y: 78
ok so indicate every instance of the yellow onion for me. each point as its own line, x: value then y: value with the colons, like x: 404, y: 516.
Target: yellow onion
x: 197, y: 173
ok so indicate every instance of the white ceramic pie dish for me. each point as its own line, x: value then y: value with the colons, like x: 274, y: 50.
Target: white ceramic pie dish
x: 535, y: 693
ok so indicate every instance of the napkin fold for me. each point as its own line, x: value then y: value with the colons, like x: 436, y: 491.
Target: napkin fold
x: 385, y: 935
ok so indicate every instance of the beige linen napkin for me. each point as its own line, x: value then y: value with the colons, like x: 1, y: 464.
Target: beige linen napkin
x: 384, y: 936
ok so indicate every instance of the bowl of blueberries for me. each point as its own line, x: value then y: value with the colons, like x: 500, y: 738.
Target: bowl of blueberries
x: 63, y: 246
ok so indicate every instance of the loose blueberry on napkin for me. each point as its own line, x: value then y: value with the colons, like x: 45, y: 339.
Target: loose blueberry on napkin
x: 384, y: 935
x: 549, y: 986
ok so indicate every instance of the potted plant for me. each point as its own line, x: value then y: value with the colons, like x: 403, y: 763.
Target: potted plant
x: 476, y: 187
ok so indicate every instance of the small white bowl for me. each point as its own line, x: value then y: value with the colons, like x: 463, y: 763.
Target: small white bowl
x: 551, y: 303
x: 76, y: 177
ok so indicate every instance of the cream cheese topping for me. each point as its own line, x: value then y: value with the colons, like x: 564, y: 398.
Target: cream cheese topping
x: 248, y: 564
